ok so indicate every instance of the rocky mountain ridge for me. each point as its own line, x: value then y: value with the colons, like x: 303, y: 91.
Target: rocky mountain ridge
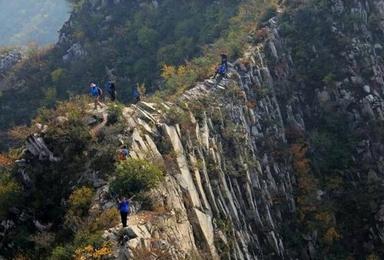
x: 214, y: 206
x: 127, y: 41
x: 284, y: 163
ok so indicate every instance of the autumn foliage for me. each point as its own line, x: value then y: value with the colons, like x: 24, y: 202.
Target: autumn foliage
x: 5, y: 161
x: 311, y: 213
x: 89, y: 252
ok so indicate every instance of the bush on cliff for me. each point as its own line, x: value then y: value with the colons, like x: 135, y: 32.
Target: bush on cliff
x: 80, y: 201
x: 10, y: 194
x: 135, y: 176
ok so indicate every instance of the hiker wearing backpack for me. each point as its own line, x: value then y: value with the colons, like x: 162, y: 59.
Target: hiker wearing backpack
x: 97, y: 93
x: 111, y: 89
x: 222, y: 69
x: 221, y: 72
x: 123, y: 153
x: 123, y: 206
x: 224, y: 60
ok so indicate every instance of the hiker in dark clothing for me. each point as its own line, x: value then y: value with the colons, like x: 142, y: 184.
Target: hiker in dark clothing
x: 224, y: 60
x: 124, y: 210
x: 136, y: 96
x: 222, y: 69
x: 111, y: 89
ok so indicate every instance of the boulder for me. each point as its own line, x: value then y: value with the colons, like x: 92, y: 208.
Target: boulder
x: 75, y: 52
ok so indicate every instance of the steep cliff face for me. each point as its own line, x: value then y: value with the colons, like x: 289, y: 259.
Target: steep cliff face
x: 225, y: 176
x: 338, y: 83
x: 229, y: 185
x: 306, y: 108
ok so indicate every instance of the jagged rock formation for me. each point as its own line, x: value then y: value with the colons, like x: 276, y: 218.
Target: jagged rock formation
x: 76, y: 51
x: 37, y: 148
x: 8, y: 60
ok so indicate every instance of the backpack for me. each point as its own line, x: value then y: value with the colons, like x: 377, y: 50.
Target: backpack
x: 95, y: 91
x: 125, y: 152
x: 222, y: 69
x: 135, y: 93
x: 108, y: 87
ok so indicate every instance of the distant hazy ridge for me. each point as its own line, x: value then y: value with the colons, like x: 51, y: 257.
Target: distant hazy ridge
x: 24, y: 21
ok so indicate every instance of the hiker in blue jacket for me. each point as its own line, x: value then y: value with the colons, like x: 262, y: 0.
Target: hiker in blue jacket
x: 124, y: 210
x: 96, y: 92
x: 224, y: 60
x: 222, y: 69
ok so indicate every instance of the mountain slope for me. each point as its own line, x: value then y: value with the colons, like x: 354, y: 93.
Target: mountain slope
x: 128, y: 41
x: 39, y: 21
x: 285, y: 162
x: 208, y: 155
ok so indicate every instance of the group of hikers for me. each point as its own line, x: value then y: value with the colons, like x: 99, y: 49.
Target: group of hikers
x: 110, y: 87
x: 123, y: 153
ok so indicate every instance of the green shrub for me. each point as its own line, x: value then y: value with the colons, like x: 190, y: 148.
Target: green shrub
x: 62, y: 253
x: 177, y: 116
x: 332, y: 143
x: 115, y: 114
x: 57, y: 74
x: 54, y: 181
x: 268, y: 14
x: 103, y: 157
x: 107, y: 219
x: 80, y: 201
x: 10, y: 194
x: 134, y: 176
x: 85, y: 238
